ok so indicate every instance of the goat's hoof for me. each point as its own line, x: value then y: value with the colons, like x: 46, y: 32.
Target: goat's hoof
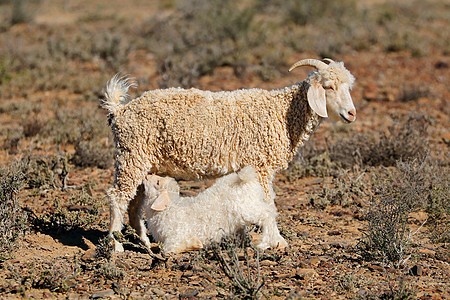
x: 280, y: 244
x: 117, y: 246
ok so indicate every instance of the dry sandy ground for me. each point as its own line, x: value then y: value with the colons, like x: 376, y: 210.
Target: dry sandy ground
x: 320, y: 262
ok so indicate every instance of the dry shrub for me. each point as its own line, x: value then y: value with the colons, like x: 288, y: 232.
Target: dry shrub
x: 408, y: 187
x: 413, y: 93
x: 310, y: 161
x: 13, y: 220
x: 344, y: 191
x: 200, y: 36
x: 46, y: 172
x: 92, y: 153
x: 88, y: 132
x: 13, y: 139
x: 406, y: 139
x: 438, y: 203
x: 81, y: 212
x: 245, y: 277
x: 386, y: 236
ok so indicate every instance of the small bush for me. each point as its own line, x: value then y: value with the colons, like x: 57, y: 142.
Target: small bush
x: 344, y: 191
x: 413, y: 93
x: 312, y: 11
x: 104, y: 248
x: 92, y: 153
x: 245, y: 277
x: 21, y: 13
x: 13, y: 220
x: 438, y: 203
x: 13, y: 140
x: 48, y: 172
x: 110, y: 271
x: 65, y: 219
x: 218, y: 33
x: 56, y: 277
x: 386, y: 236
x: 406, y: 140
x: 310, y: 161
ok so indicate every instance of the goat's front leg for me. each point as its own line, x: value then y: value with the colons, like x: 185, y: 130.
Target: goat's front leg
x: 271, y: 237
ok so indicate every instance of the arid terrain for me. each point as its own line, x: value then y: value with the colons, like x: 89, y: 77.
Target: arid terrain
x: 364, y: 207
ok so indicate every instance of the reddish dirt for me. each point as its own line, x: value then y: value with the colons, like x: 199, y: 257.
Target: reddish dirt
x: 320, y: 263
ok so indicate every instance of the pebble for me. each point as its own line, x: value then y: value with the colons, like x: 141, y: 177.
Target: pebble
x: 334, y: 232
x: 89, y: 255
x: 102, y: 294
x: 417, y: 270
x: 189, y: 294
x: 373, y: 267
x: 268, y: 263
x: 305, y: 274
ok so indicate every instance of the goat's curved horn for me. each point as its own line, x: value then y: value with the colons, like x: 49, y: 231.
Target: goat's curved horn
x: 319, y: 65
x: 328, y: 60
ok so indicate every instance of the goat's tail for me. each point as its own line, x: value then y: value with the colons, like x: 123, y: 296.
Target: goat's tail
x: 247, y: 174
x: 116, y: 95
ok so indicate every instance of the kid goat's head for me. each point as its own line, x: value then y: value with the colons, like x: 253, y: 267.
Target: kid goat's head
x: 159, y: 191
x: 329, y: 89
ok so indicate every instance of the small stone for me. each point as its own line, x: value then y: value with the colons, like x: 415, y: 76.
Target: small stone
x: 159, y: 292
x: 416, y: 270
x: 305, y: 274
x: 89, y: 255
x: 189, y: 294
x: 102, y: 294
x: 373, y: 267
x: 334, y: 232
x: 188, y: 274
x: 47, y: 295
x: 268, y: 263
x: 362, y: 293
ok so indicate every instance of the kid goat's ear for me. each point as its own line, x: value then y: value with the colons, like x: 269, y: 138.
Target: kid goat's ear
x: 316, y: 98
x: 161, y: 202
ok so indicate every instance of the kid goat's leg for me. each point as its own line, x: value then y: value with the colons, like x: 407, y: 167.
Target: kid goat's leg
x: 135, y: 215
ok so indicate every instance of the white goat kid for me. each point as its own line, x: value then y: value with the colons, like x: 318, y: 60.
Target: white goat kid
x: 188, y: 223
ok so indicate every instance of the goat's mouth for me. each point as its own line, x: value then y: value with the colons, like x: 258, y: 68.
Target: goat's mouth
x: 345, y: 119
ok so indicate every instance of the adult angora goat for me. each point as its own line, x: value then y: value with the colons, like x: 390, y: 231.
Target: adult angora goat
x: 193, y: 134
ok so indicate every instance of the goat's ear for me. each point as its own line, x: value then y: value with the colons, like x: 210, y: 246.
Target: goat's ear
x: 316, y: 99
x: 161, y: 202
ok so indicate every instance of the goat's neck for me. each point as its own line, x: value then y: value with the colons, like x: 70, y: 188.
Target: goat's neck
x: 302, y: 121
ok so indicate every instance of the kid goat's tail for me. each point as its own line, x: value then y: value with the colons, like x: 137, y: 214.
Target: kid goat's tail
x: 248, y: 174
x: 116, y: 95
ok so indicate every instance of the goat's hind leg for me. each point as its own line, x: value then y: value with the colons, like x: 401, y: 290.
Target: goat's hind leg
x: 124, y: 189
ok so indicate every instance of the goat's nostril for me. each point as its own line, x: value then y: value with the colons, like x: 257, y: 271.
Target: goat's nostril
x: 352, y: 115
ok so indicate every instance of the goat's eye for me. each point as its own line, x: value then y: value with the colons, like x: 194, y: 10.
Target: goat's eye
x: 329, y: 88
